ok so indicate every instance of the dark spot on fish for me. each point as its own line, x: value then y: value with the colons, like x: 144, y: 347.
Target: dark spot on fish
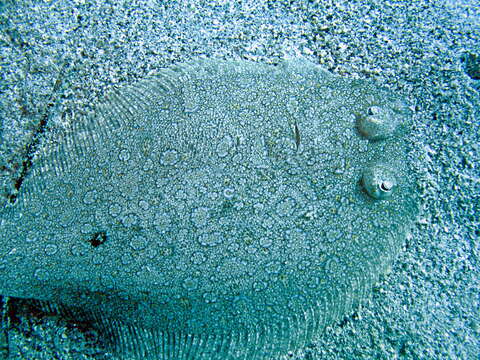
x: 297, y: 135
x: 98, y: 239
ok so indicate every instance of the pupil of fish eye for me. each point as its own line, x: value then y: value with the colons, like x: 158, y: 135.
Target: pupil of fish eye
x: 386, y: 186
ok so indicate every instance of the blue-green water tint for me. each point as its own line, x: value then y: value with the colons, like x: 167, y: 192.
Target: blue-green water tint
x: 222, y: 210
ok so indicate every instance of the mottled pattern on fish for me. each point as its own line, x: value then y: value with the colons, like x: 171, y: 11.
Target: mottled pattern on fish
x: 221, y: 210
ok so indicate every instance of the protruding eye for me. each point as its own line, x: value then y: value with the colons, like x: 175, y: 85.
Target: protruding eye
x: 379, y: 181
x: 378, y: 123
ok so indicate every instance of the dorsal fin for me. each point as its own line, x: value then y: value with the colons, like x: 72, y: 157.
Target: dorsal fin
x: 121, y: 108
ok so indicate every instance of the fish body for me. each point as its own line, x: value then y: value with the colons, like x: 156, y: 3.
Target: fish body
x: 219, y: 210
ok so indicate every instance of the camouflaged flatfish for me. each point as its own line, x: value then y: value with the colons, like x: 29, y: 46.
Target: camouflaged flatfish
x: 220, y: 210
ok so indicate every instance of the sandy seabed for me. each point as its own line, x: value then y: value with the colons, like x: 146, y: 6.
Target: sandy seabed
x: 57, y: 57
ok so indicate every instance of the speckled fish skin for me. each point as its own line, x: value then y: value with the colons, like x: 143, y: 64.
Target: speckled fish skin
x: 223, y: 209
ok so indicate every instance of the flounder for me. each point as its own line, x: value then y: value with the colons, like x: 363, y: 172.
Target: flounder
x: 219, y: 210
